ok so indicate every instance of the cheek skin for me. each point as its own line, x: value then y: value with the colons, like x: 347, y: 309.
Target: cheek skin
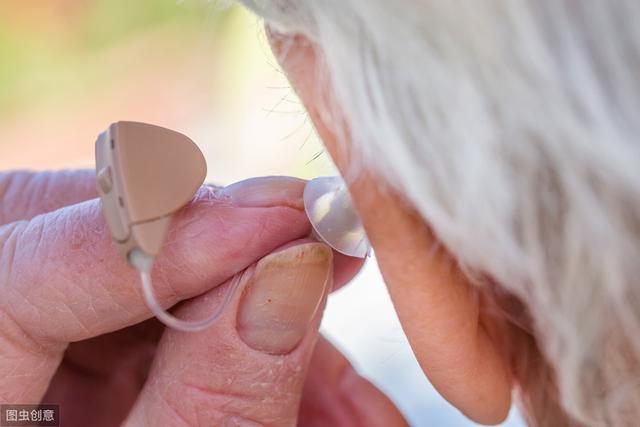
x: 437, y: 307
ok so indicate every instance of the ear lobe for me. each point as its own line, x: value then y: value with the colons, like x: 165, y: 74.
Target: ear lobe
x: 144, y: 174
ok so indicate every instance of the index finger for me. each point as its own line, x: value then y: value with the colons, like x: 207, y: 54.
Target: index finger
x: 63, y: 280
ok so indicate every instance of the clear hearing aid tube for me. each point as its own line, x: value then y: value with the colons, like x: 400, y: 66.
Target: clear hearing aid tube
x: 143, y: 263
x: 335, y: 221
x: 328, y: 206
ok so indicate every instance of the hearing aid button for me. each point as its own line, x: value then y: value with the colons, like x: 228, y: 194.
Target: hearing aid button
x: 104, y: 179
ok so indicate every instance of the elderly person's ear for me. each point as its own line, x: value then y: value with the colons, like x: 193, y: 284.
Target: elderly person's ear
x: 439, y: 310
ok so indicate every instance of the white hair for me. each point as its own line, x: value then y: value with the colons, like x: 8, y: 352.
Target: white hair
x: 513, y: 127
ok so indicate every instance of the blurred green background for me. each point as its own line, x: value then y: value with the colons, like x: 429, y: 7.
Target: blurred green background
x: 70, y: 67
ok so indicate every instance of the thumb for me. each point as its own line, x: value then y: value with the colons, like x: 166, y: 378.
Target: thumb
x: 249, y: 368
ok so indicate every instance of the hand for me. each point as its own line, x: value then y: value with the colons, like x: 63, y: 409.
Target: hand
x: 74, y: 328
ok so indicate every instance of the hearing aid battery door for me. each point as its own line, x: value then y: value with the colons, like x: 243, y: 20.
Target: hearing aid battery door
x: 335, y: 221
x: 144, y: 173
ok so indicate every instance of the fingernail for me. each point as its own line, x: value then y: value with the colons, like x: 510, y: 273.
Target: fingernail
x: 266, y: 192
x: 282, y: 295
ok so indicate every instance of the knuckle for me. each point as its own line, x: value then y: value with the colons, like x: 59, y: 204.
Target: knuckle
x: 21, y: 193
x: 13, y: 328
x: 8, y: 247
x: 11, y: 184
x: 20, y: 316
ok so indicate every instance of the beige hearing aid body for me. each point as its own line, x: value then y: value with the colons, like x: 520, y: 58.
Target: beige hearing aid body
x: 145, y: 173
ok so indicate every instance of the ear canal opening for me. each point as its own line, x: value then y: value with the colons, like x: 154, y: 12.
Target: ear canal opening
x: 141, y: 262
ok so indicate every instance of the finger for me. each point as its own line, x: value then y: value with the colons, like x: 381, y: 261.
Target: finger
x: 249, y: 368
x: 100, y: 378
x: 62, y: 279
x: 25, y: 194
x: 436, y: 305
x: 335, y: 395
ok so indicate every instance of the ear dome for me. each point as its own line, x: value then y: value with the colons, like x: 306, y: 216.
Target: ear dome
x: 144, y: 174
x: 335, y: 221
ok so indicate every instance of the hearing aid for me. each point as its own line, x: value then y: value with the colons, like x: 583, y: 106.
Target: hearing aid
x: 146, y: 173
x: 333, y: 217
